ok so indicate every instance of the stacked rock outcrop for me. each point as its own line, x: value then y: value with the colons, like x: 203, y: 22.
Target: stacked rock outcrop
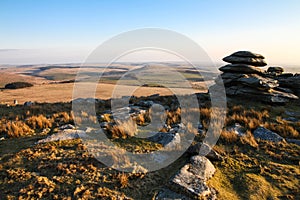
x: 244, y: 77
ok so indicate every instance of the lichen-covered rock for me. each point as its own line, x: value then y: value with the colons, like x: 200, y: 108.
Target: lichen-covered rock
x: 191, y: 179
x: 168, y: 140
x: 66, y: 134
x: 265, y: 134
x: 204, y: 150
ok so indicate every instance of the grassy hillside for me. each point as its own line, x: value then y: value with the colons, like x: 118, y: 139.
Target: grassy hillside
x: 251, y: 169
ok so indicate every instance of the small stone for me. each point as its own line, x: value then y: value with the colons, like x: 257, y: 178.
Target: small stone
x: 237, y: 129
x: 168, y: 140
x: 265, y: 134
x: 67, y: 126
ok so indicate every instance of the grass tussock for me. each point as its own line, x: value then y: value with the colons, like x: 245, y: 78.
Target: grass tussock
x: 122, y: 129
x: 39, y: 122
x: 33, y: 124
x: 123, y: 179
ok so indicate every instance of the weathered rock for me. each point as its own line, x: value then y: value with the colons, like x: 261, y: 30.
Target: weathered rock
x: 291, y: 119
x: 237, y: 129
x: 241, y: 68
x: 67, y: 134
x: 293, y: 141
x: 211, y: 155
x: 247, y: 54
x: 168, y: 140
x: 286, y: 90
x: 121, y: 113
x: 271, y: 96
x: 28, y: 103
x: 276, y: 70
x: 265, y: 134
x: 289, y: 82
x: 297, y: 92
x: 191, y: 179
x: 243, y: 78
x: 245, y: 60
x: 67, y: 126
x: 285, y: 75
x: 259, y: 82
x: 146, y: 104
x: 292, y: 113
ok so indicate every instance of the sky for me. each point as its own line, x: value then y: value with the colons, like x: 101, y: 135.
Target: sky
x: 67, y: 31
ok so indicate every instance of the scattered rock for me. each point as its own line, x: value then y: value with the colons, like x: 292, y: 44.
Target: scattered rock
x: 168, y: 140
x: 265, y: 134
x: 293, y: 141
x: 28, y: 103
x: 191, y: 179
x: 291, y: 119
x: 211, y: 155
x: 292, y: 114
x: 67, y: 134
x: 146, y: 104
x: 66, y: 126
x: 238, y: 129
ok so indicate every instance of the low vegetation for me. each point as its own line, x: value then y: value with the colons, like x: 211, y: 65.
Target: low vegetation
x: 251, y: 169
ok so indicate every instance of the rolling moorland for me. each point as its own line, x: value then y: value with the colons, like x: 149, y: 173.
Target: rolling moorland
x: 245, y: 164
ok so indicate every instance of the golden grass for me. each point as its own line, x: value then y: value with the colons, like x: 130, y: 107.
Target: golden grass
x: 123, y: 129
x: 123, y: 179
x: 15, y: 128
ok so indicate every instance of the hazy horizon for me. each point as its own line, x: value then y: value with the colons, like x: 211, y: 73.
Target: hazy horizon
x: 55, y: 31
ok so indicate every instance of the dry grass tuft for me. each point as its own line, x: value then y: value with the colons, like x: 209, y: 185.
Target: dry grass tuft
x: 248, y: 138
x: 38, y: 122
x: 122, y: 129
x: 229, y: 136
x: 123, y: 180
x: 15, y: 128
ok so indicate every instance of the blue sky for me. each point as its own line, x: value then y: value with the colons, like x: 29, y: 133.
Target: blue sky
x: 68, y: 30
